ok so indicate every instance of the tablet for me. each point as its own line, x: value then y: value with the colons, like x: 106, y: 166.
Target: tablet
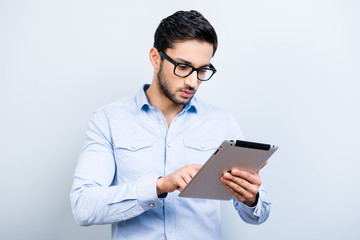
x: 249, y: 156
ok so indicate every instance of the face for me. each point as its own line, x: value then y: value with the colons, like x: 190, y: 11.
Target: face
x: 180, y: 90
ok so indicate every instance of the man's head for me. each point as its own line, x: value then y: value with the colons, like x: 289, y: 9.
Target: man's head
x: 182, y: 26
x: 184, y: 44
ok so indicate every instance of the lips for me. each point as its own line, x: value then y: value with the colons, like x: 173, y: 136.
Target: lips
x: 187, y: 93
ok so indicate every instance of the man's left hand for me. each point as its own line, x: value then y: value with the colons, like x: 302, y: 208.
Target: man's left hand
x: 243, y: 185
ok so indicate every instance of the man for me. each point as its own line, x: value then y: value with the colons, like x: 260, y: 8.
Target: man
x: 141, y: 152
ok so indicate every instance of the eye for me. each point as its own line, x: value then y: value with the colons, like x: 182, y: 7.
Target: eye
x: 183, y: 67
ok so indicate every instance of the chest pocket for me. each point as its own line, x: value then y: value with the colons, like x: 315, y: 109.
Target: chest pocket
x: 133, y: 158
x: 199, y: 151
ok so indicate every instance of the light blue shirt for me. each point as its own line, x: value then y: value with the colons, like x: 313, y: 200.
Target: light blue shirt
x: 128, y: 145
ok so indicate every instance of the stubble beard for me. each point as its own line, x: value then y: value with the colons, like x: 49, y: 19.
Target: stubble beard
x: 164, y: 88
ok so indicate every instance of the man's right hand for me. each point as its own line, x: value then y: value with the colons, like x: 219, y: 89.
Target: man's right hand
x: 177, y: 180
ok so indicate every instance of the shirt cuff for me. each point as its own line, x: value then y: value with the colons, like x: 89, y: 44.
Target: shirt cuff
x: 255, y: 210
x: 146, y: 191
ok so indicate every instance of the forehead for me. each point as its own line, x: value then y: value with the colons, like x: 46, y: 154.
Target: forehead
x: 196, y: 52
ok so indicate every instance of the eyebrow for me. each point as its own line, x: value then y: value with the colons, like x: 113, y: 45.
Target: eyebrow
x: 189, y: 63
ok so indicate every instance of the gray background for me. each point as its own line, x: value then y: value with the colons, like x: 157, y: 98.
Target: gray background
x: 287, y: 70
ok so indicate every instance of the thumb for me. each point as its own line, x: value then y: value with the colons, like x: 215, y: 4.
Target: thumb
x: 262, y: 166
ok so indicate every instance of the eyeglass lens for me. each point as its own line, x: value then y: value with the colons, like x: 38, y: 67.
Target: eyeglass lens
x: 183, y: 70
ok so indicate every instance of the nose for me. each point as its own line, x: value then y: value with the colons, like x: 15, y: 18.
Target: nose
x: 191, y: 80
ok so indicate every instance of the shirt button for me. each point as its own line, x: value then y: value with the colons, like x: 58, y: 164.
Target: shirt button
x: 169, y: 230
x: 133, y: 146
x: 202, y: 146
x: 151, y: 204
x: 257, y: 211
x: 168, y: 201
x: 161, y: 122
x: 169, y: 145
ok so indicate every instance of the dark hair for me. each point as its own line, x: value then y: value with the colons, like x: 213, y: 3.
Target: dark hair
x: 182, y: 26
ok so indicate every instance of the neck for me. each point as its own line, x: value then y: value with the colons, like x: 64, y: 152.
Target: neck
x: 168, y: 108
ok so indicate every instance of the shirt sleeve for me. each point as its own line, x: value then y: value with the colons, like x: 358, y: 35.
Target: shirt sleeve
x: 93, y: 198
x: 259, y: 213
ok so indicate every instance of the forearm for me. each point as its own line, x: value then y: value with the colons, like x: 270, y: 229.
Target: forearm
x: 95, y: 204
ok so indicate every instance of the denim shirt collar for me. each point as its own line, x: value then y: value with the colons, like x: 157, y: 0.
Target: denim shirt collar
x: 142, y: 102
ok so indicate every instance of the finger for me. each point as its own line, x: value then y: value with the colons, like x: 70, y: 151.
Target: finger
x: 189, y: 170
x: 251, y: 178
x: 243, y: 192
x: 187, y: 178
x: 237, y: 195
x: 197, y: 166
x: 262, y: 166
x: 192, y: 172
x: 186, y: 175
x: 242, y: 186
x: 240, y: 182
x: 249, y: 187
x: 182, y: 184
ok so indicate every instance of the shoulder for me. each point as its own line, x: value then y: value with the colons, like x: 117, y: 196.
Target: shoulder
x: 120, y: 109
x: 209, y: 111
x: 221, y: 117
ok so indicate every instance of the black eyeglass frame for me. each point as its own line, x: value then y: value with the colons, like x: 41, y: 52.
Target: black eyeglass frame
x: 211, y: 67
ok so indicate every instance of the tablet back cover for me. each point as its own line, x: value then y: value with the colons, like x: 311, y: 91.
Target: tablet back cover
x: 231, y: 154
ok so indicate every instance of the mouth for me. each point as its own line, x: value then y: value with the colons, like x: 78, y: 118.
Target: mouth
x: 187, y: 93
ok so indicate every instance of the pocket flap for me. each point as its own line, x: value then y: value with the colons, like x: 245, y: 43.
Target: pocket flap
x: 201, y: 145
x: 132, y: 144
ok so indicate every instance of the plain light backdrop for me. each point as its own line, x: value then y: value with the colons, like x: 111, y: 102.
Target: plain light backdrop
x: 287, y: 70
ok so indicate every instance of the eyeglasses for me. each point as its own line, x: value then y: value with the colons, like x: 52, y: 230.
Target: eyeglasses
x: 184, y: 70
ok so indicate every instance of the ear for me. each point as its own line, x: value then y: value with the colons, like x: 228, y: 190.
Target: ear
x: 155, y: 58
